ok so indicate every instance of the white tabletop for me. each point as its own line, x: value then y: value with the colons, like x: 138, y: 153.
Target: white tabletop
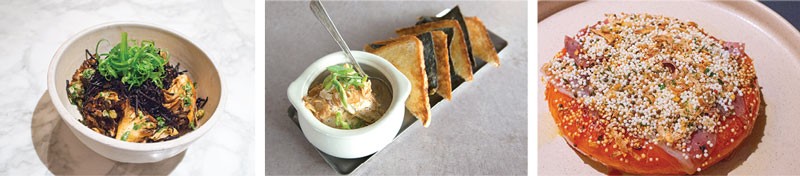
x: 36, y: 142
x: 483, y: 130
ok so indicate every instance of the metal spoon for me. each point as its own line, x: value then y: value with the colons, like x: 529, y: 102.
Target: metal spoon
x: 322, y: 16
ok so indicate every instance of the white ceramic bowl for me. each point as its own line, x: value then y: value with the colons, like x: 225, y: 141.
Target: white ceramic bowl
x: 72, y: 53
x: 359, y: 142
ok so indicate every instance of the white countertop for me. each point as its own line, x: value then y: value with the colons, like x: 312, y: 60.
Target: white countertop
x: 483, y: 130
x: 36, y: 142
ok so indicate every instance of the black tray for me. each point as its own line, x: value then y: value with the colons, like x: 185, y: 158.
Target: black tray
x: 346, y: 166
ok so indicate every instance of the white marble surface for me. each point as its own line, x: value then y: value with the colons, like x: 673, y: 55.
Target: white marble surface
x: 482, y: 131
x: 36, y: 142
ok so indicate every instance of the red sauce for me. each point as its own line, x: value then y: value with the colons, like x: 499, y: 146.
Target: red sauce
x: 581, y: 127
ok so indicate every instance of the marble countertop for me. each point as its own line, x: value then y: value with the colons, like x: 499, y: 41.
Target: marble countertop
x: 483, y: 130
x: 36, y: 142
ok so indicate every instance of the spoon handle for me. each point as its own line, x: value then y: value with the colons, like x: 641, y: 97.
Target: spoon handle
x: 322, y: 16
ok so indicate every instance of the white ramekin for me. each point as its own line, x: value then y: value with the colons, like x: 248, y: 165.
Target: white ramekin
x: 359, y: 142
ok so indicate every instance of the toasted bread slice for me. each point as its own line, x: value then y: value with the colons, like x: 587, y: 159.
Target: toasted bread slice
x: 458, y: 47
x: 442, y: 61
x: 406, y: 53
x: 443, y: 67
x: 429, y: 57
x: 482, y: 46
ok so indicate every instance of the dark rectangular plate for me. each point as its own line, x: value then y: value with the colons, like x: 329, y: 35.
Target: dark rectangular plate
x: 346, y: 166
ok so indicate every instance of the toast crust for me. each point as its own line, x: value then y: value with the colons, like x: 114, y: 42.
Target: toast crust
x: 482, y: 46
x: 443, y: 67
x: 406, y: 54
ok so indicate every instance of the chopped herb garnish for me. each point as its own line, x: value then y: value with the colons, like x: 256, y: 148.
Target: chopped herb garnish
x: 188, y: 89
x: 661, y: 86
x: 141, y: 115
x: 87, y: 73
x: 187, y: 101
x: 125, y: 136
x: 75, y: 92
x: 191, y: 124
x: 160, y: 121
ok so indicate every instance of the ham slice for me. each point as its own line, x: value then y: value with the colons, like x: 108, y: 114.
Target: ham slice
x: 736, y: 48
x: 572, y: 46
x: 686, y: 164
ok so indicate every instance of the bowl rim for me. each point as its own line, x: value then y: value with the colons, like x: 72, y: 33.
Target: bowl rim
x: 299, y: 88
x: 112, y: 142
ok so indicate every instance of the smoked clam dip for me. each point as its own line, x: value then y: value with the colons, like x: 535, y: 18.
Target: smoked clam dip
x: 344, y: 99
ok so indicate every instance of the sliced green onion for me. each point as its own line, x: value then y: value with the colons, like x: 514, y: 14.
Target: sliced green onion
x: 160, y: 121
x: 87, y: 73
x: 135, y: 64
x: 125, y: 136
x: 340, y: 121
x: 342, y: 95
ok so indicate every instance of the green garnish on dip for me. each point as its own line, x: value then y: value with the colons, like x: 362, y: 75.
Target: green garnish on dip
x: 340, y: 122
x: 135, y: 64
x: 342, y: 77
x: 344, y: 99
